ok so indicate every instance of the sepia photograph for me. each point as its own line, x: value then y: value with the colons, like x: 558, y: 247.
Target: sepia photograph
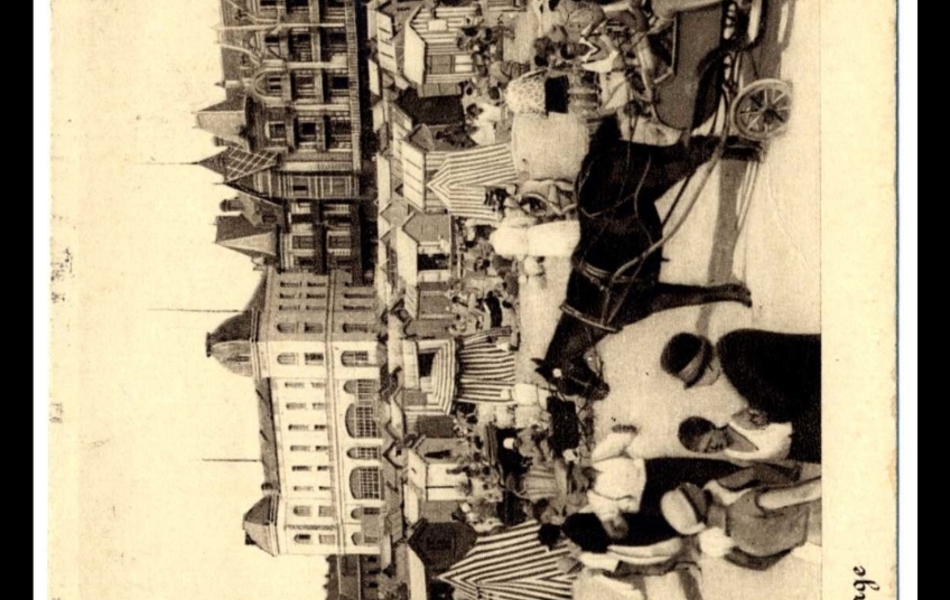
x: 471, y: 300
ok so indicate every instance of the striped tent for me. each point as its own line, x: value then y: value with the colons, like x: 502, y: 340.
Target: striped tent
x: 486, y: 372
x: 464, y: 178
x: 512, y: 565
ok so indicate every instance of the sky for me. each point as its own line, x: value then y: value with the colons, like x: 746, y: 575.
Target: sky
x: 136, y: 513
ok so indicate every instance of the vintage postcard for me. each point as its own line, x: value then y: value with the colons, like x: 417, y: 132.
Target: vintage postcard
x: 473, y: 300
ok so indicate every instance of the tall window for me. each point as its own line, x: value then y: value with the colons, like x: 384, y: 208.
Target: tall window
x: 363, y: 453
x: 310, y: 132
x: 353, y: 294
x: 301, y: 47
x: 357, y: 307
x: 340, y: 136
x: 365, y: 483
x: 286, y: 359
x: 304, y: 242
x: 351, y: 358
x: 338, y: 239
x: 361, y: 422
x: 304, y: 84
x: 365, y: 390
x: 356, y: 328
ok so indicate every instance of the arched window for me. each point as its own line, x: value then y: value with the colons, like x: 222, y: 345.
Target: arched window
x: 357, y: 539
x: 361, y: 422
x: 363, y: 453
x: 356, y: 328
x: 303, y: 538
x: 365, y: 390
x: 352, y: 358
x: 365, y: 483
x: 270, y: 85
x: 287, y: 358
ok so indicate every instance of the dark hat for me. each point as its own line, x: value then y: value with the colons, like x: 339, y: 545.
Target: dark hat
x: 686, y: 356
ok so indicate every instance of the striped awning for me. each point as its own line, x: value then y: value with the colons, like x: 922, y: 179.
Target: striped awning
x: 464, y: 178
x: 486, y: 372
x: 512, y: 565
x: 443, y: 377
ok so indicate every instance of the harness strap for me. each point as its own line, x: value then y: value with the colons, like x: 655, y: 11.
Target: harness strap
x: 587, y: 319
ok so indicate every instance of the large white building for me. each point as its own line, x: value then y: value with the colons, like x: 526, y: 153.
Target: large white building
x: 311, y: 343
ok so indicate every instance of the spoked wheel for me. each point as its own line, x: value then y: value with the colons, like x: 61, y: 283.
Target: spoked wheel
x: 762, y: 109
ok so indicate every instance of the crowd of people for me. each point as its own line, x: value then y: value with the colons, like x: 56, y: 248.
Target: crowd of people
x: 748, y: 490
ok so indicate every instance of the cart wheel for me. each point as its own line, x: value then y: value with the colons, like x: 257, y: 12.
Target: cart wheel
x: 762, y: 108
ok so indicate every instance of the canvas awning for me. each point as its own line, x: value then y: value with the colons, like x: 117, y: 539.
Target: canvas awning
x: 418, y: 583
x: 465, y: 177
x: 442, y: 375
x: 414, y: 59
x: 486, y: 371
x: 511, y: 565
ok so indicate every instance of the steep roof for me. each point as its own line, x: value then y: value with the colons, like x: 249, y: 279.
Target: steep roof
x: 229, y: 343
x: 425, y: 227
x: 431, y: 110
x: 267, y: 435
x: 260, y: 525
x: 226, y: 120
x: 239, y: 234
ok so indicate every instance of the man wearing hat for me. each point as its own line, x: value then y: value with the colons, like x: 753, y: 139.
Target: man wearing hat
x: 778, y: 375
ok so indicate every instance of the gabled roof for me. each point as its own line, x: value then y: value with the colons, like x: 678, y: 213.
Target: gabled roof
x: 397, y: 213
x: 226, y: 120
x: 434, y: 110
x: 426, y: 227
x: 260, y: 525
x: 239, y: 234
